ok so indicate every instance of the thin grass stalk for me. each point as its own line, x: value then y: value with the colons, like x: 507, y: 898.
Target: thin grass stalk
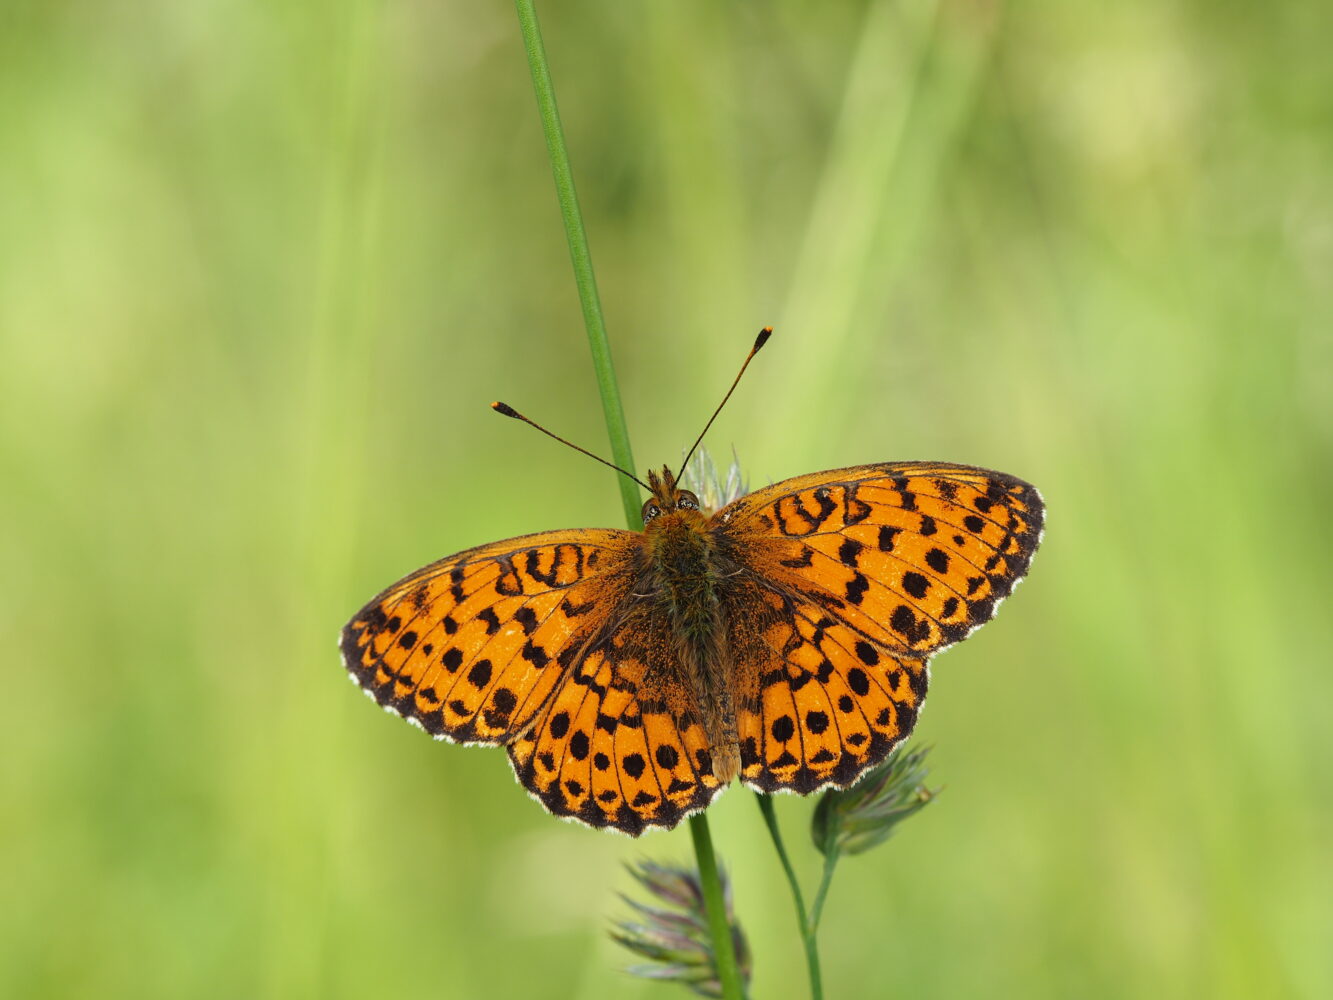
x: 579, y: 255
x: 806, y: 926
x: 617, y: 431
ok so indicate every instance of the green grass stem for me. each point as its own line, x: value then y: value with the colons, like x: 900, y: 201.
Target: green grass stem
x: 807, y: 926
x: 614, y: 414
x: 580, y: 256
x: 728, y: 972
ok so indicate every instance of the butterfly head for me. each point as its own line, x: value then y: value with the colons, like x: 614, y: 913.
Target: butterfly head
x: 667, y: 497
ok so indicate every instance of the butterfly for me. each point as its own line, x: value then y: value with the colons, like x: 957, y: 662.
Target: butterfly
x: 782, y: 640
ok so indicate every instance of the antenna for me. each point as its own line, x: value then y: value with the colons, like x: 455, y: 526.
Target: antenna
x: 759, y: 342
x: 509, y: 411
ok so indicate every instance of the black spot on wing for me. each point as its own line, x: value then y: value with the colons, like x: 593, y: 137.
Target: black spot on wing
x: 480, y: 674
x: 857, y: 587
x: 578, y: 745
x: 535, y: 654
x: 527, y: 619
x: 905, y: 622
x: 559, y: 725
x: 849, y: 551
x: 490, y: 619
x: 915, y: 584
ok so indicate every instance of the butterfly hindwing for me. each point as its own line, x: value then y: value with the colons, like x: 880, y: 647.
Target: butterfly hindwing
x: 607, y: 752
x: 831, y: 705
x: 472, y: 647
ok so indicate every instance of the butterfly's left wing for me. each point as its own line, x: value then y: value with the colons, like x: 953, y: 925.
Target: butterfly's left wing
x: 852, y: 579
x: 538, y: 643
x: 472, y: 647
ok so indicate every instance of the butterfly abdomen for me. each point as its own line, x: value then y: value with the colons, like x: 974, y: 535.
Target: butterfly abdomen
x: 685, y: 565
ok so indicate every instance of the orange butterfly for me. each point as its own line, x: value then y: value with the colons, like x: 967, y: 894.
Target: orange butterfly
x: 783, y: 639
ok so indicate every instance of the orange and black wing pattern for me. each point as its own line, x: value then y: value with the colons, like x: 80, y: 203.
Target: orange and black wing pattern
x: 609, y: 750
x: 538, y: 643
x: 863, y: 574
x: 471, y: 648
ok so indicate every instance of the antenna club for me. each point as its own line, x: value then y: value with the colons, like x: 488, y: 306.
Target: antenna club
x: 759, y: 342
x: 509, y: 411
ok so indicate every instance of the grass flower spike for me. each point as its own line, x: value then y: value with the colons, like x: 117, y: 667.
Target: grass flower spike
x: 672, y: 933
x: 853, y: 820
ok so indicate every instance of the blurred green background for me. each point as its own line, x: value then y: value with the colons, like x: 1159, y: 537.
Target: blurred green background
x: 262, y: 267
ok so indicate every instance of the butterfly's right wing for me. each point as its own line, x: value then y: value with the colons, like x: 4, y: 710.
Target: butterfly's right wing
x: 849, y: 581
x: 472, y: 647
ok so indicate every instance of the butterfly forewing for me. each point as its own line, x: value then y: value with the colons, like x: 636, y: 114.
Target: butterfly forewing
x: 472, y: 647
x: 911, y: 555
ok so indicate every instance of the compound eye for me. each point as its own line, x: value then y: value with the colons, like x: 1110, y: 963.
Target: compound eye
x: 650, y: 511
x: 687, y: 501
